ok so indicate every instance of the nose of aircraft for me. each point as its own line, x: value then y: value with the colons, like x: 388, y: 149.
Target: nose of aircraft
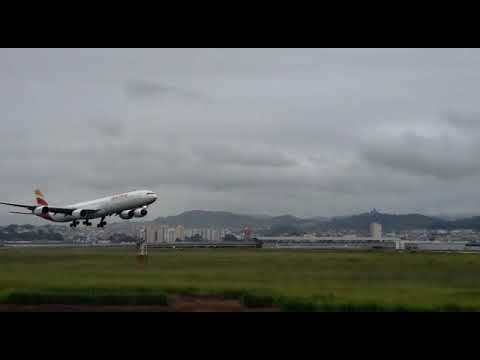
x: 152, y: 195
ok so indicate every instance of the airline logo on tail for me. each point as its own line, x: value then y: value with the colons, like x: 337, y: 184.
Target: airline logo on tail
x: 40, y: 198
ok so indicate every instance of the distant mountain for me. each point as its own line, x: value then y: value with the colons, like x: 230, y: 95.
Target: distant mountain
x: 390, y: 222
x: 264, y: 224
x: 468, y: 223
x: 292, y: 224
x: 203, y: 218
x: 261, y: 216
x: 286, y: 220
x: 318, y: 219
x: 452, y: 217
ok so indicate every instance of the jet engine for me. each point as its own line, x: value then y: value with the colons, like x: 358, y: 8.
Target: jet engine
x: 126, y: 214
x: 79, y: 213
x: 40, y: 210
x: 140, y: 212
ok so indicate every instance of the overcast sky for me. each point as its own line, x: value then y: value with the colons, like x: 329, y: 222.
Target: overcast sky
x: 310, y: 132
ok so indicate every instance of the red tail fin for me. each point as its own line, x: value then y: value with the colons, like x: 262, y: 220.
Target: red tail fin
x: 40, y: 198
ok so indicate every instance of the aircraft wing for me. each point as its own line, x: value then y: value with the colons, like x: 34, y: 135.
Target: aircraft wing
x: 56, y: 210
x: 67, y: 211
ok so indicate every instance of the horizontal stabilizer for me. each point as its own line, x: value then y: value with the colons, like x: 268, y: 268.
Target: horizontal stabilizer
x: 21, y: 213
x: 55, y: 210
x: 29, y: 207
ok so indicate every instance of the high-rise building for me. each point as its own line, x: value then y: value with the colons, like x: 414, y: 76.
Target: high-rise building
x: 150, y: 234
x: 163, y: 233
x: 156, y: 233
x: 247, y: 233
x: 180, y: 232
x: 171, y: 235
x: 376, y: 231
x: 204, y: 233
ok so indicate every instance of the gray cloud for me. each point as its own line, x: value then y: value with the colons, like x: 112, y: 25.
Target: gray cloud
x: 245, y: 156
x: 149, y: 89
x: 441, y: 157
x: 306, y: 131
x: 467, y: 122
x: 108, y: 129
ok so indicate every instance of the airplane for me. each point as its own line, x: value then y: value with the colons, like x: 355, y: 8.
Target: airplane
x: 126, y: 205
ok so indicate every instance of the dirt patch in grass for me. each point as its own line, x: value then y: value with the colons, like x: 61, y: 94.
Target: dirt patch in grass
x: 180, y: 303
x: 212, y: 303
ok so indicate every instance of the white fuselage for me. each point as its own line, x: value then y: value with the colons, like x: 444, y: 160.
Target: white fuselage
x: 108, y: 205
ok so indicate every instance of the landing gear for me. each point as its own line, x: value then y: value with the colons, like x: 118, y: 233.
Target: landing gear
x: 102, y: 223
x: 87, y: 223
x: 74, y: 224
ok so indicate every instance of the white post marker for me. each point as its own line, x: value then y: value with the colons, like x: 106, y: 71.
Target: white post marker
x: 142, y: 245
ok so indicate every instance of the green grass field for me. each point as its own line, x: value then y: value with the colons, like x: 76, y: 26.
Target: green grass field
x: 295, y: 280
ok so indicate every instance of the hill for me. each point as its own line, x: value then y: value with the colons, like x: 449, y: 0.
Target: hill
x: 264, y: 224
x: 204, y: 218
x: 292, y: 224
x: 468, y: 223
x: 390, y: 222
